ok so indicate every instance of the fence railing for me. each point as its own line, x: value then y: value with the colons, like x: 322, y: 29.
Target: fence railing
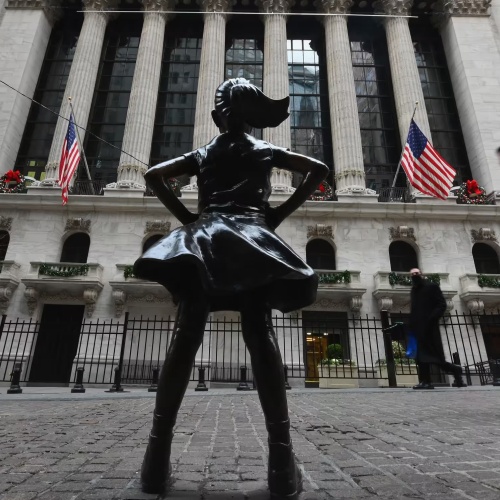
x: 88, y: 187
x: 395, y: 195
x: 338, y: 351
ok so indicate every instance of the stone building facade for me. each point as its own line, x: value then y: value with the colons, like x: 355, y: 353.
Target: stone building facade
x: 142, y: 74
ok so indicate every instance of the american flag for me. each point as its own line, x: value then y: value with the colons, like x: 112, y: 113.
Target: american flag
x: 70, y: 158
x: 425, y: 168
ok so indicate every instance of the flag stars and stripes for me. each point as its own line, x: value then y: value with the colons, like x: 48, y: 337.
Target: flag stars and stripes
x: 425, y: 168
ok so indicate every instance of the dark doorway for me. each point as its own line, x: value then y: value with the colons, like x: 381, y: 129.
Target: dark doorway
x: 56, y: 344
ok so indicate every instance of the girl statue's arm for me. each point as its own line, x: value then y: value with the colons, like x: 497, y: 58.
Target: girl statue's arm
x: 313, y: 172
x: 157, y: 179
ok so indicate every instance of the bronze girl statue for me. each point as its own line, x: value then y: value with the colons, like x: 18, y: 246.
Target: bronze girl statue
x: 228, y: 257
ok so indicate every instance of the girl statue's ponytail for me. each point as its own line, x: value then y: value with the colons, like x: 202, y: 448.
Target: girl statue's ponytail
x: 241, y: 102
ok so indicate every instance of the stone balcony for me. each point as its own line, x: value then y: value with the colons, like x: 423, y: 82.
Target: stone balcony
x: 63, y: 281
x: 9, y: 281
x: 479, y: 291
x: 127, y: 288
x: 392, y: 290
x: 341, y: 287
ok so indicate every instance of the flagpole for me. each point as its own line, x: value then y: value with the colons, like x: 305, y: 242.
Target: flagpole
x: 403, y: 150
x: 81, y: 147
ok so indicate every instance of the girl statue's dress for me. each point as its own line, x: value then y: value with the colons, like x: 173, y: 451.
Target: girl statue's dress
x: 228, y: 257
x: 231, y: 249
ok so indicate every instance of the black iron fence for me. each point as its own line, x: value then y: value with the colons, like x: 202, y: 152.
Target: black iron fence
x: 88, y: 187
x: 318, y: 349
x: 396, y: 195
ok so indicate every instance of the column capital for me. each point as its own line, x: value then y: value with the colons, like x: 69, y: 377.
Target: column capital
x: 275, y: 6
x: 462, y: 7
x: 51, y: 8
x: 334, y: 6
x: 99, y: 5
x: 215, y: 5
x: 157, y: 5
x: 394, y: 7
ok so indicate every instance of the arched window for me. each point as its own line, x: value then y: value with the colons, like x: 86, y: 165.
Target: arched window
x: 151, y: 241
x: 320, y: 255
x: 485, y: 259
x: 402, y: 256
x: 76, y: 248
x: 4, y: 243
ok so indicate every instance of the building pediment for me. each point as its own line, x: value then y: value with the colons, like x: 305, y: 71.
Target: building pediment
x: 63, y: 280
x: 479, y: 291
x: 342, y: 287
x: 392, y: 290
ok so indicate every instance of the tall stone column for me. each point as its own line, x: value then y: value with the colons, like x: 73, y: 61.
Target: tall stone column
x: 276, y: 81
x: 470, y: 44
x: 81, y: 80
x: 346, y: 134
x: 404, y: 71
x: 211, y: 73
x: 24, y: 35
x: 141, y: 112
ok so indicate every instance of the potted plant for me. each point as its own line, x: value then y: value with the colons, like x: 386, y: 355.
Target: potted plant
x: 406, y: 368
x: 337, y: 372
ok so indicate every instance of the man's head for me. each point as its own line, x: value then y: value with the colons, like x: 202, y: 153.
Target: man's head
x: 416, y: 276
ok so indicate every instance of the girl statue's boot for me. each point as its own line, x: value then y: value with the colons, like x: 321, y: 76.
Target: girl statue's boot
x: 284, y: 478
x: 156, y: 469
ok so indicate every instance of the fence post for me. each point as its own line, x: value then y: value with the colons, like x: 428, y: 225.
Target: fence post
x: 78, y: 387
x: 117, y: 387
x: 201, y: 381
x: 285, y: 372
x: 15, y: 388
x: 455, y: 357
x: 154, y: 382
x: 243, y: 385
x: 495, y: 371
x: 2, y: 324
x: 389, y: 354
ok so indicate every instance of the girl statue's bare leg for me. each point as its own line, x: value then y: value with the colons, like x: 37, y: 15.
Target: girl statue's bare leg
x: 188, y: 332
x: 258, y: 332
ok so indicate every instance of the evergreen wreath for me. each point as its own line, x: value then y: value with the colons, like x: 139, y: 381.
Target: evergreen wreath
x: 323, y: 193
x: 12, y: 182
x: 470, y: 193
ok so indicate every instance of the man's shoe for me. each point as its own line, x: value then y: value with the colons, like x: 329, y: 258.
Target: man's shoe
x: 423, y: 385
x: 459, y: 382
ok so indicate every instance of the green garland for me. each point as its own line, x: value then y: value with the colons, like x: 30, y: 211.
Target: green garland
x: 323, y: 193
x: 484, y: 281
x: 48, y: 270
x: 334, y: 278
x: 405, y: 280
x: 464, y: 197
x: 128, y: 272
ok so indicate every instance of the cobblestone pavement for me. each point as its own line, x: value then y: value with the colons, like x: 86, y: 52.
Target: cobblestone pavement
x: 390, y: 444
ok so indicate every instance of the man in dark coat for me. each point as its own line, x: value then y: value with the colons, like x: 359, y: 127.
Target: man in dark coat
x: 427, y: 306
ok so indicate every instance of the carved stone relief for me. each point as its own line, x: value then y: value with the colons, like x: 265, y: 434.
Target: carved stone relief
x: 78, y: 224
x: 157, y: 226
x: 5, y: 223
x: 483, y: 234
x: 402, y: 232
x: 320, y: 230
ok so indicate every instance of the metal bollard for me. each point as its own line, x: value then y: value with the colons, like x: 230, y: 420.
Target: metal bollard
x: 456, y: 361
x: 285, y: 372
x: 154, y: 382
x: 201, y: 381
x: 78, y: 387
x: 243, y: 385
x: 117, y: 386
x: 15, y: 388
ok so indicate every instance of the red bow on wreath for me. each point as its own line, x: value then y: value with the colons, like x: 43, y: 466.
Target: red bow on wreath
x: 321, y: 188
x: 12, y: 176
x: 473, y: 187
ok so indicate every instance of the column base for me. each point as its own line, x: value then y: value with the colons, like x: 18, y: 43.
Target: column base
x: 425, y: 199
x: 190, y: 191
x: 366, y: 197
x: 44, y: 190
